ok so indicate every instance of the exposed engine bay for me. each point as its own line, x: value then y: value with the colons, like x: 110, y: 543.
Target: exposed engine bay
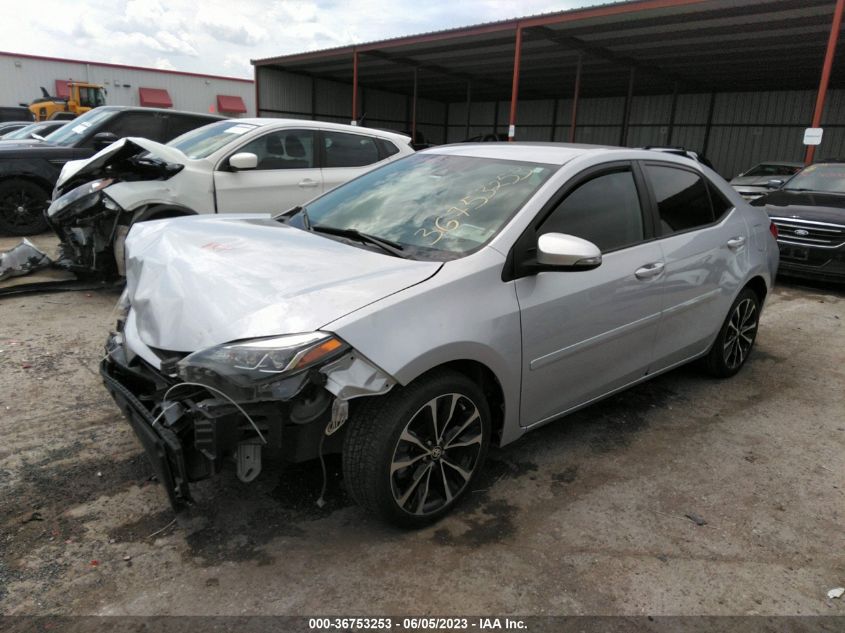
x: 92, y: 227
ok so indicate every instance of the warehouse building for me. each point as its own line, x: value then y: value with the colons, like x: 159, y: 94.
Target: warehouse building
x: 23, y: 76
x: 736, y: 80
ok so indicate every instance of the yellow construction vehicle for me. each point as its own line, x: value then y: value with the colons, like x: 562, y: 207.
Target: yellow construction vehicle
x: 81, y: 97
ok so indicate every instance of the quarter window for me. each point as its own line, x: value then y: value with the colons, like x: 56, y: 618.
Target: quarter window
x: 604, y: 210
x: 682, y: 199
x: 285, y: 149
x: 349, y: 150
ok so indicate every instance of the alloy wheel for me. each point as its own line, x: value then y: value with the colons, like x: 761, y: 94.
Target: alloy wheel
x: 18, y: 208
x: 740, y: 334
x: 436, y: 454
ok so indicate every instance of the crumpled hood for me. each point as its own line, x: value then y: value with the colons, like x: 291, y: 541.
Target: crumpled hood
x: 124, y: 148
x: 196, y: 282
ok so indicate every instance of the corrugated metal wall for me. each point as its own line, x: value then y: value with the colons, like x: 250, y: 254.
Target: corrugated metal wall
x: 291, y: 95
x: 22, y: 77
x: 746, y: 127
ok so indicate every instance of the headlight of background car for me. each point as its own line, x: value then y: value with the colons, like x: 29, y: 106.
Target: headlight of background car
x: 246, y: 363
x: 79, y: 199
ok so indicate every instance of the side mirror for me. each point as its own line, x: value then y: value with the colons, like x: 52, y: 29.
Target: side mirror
x: 243, y: 160
x: 567, y: 252
x: 774, y: 183
x: 104, y: 139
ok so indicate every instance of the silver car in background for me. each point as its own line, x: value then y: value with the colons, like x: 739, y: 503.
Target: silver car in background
x: 755, y: 182
x: 407, y: 319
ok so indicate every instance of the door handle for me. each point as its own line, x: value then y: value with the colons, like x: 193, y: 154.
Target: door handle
x: 650, y: 270
x: 308, y: 182
x: 735, y: 243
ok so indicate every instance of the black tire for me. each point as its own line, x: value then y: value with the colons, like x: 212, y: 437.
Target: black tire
x: 736, y: 339
x: 376, y: 440
x: 22, y: 205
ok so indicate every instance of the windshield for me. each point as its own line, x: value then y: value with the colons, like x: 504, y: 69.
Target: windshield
x: 764, y: 169
x: 439, y: 207
x: 826, y: 177
x: 71, y: 133
x: 206, y: 140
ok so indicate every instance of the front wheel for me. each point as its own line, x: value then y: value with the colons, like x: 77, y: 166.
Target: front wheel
x: 22, y: 205
x: 735, y: 340
x: 411, y: 455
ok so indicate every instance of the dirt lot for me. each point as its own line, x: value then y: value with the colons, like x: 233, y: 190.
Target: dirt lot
x: 585, y: 516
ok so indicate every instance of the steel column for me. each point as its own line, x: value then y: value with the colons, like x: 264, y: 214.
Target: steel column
x: 672, y: 114
x: 709, y: 125
x: 626, y: 114
x: 575, y: 96
x: 313, y: 98
x: 555, y: 105
x: 825, y: 78
x: 354, y: 86
x: 517, y: 55
x: 414, y: 108
x: 469, y: 108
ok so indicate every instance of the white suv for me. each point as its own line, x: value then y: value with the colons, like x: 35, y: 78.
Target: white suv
x: 231, y: 166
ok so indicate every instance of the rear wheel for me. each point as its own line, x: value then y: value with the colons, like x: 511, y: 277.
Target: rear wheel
x: 736, y: 338
x: 22, y: 205
x: 411, y: 455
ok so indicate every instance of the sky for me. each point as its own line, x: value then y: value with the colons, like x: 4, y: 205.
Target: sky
x: 220, y: 36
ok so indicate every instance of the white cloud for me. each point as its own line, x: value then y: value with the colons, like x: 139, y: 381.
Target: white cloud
x: 162, y: 63
x: 219, y: 34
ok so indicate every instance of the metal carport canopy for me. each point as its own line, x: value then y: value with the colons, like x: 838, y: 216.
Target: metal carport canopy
x: 702, y: 45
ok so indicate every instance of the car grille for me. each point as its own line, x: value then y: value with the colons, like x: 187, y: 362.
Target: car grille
x: 809, y: 233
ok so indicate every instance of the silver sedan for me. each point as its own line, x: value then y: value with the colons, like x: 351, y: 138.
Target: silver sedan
x: 461, y: 296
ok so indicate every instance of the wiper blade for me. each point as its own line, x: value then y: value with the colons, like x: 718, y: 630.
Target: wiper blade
x: 387, y: 246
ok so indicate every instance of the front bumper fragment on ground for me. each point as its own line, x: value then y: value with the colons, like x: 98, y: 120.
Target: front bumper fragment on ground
x: 163, y: 448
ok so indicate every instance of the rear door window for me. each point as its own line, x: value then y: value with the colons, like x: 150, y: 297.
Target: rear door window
x: 604, y: 210
x: 348, y: 150
x: 683, y: 202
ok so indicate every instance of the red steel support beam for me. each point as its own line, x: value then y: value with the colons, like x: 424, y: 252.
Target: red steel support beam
x: 517, y: 55
x: 828, y: 64
x: 575, y: 97
x: 354, y: 86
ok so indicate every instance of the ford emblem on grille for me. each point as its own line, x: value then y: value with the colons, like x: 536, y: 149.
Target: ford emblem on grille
x: 801, y: 233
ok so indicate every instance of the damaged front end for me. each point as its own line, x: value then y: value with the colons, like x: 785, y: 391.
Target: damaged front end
x: 281, y: 398
x: 91, y: 226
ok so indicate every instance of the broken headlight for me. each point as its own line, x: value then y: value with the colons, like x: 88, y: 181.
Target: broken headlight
x: 246, y: 363
x: 79, y: 199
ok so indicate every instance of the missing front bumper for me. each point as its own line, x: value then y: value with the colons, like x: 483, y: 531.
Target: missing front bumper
x: 162, y: 446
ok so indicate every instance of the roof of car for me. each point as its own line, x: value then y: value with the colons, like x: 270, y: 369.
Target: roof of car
x: 554, y: 153
x: 162, y: 110
x: 340, y: 127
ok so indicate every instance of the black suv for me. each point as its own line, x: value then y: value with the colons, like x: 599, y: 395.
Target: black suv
x: 29, y: 169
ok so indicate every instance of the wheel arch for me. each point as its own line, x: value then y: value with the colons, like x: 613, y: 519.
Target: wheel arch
x: 758, y: 285
x: 31, y: 178
x: 487, y: 380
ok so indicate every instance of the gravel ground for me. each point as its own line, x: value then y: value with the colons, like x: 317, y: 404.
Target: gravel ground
x: 585, y: 516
